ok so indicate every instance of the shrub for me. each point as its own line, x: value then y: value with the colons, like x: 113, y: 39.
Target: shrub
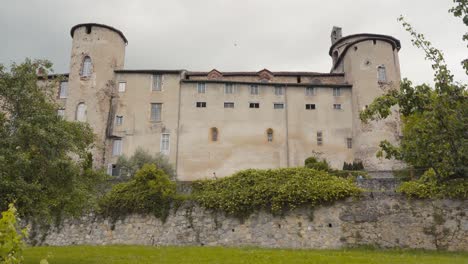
x: 356, y: 165
x: 130, y: 165
x: 11, y: 238
x: 314, y: 163
x: 273, y: 190
x: 428, y: 187
x: 149, y: 192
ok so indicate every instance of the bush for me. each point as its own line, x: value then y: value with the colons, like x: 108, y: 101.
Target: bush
x: 11, y: 238
x: 428, y: 187
x: 355, y: 166
x: 149, y: 192
x: 314, y: 163
x: 273, y: 190
x: 129, y: 166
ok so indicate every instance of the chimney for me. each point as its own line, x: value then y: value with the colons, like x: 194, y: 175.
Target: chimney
x: 335, y: 34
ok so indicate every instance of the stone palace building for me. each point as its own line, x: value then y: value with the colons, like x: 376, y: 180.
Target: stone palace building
x: 216, y: 122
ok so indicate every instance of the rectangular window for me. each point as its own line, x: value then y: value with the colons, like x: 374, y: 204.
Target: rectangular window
x: 382, y: 75
x: 201, y: 104
x: 253, y: 89
x: 278, y: 106
x: 319, y: 138
x: 310, y: 91
x: 117, y: 147
x: 156, y: 109
x: 122, y: 86
x: 279, y: 90
x: 118, y: 120
x: 337, y: 106
x: 63, y: 90
x: 61, y: 112
x: 310, y: 106
x: 336, y: 91
x: 157, y: 82
x: 228, y: 105
x: 113, y: 170
x: 228, y: 88
x: 201, y: 88
x: 165, y: 144
x: 349, y: 143
x: 254, y: 105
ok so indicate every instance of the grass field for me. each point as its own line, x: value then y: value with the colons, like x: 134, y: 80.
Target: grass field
x: 180, y: 255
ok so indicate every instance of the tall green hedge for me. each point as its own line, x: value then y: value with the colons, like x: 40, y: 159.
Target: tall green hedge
x: 274, y: 190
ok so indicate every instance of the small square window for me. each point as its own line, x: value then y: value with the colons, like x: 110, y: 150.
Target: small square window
x: 254, y: 105
x: 254, y: 89
x: 337, y: 106
x: 228, y: 105
x: 201, y: 88
x: 122, y: 86
x: 118, y: 120
x: 279, y: 90
x: 278, y: 106
x: 336, y: 91
x: 201, y: 104
x: 310, y: 91
x: 228, y: 88
x: 310, y: 106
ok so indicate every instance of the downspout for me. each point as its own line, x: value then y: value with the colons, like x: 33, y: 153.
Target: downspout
x: 182, y: 76
x: 287, y: 124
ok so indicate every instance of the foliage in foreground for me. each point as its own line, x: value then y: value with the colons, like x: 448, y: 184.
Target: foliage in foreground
x: 130, y: 165
x: 352, y: 170
x: 428, y: 187
x: 11, y: 238
x: 274, y: 190
x: 150, y: 191
x: 44, y: 165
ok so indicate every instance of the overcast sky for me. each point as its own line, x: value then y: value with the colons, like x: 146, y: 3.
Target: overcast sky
x: 230, y: 35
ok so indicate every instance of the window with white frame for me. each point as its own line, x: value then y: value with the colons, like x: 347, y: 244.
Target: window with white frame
x: 156, y: 109
x: 118, y: 120
x: 278, y: 106
x: 122, y: 87
x: 117, y: 147
x: 86, y: 67
x: 310, y: 91
x: 165, y: 143
x: 382, y: 74
x: 63, y: 90
x: 254, y: 89
x: 201, y: 88
x: 81, y: 112
x: 228, y: 105
x: 157, y: 82
x: 279, y: 90
x: 228, y: 88
x: 336, y: 91
x: 337, y: 106
x: 61, y: 112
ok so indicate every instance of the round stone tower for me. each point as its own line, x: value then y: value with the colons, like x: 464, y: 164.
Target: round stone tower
x: 370, y: 63
x: 97, y: 50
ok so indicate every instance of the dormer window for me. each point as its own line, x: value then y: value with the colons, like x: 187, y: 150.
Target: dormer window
x: 86, y: 67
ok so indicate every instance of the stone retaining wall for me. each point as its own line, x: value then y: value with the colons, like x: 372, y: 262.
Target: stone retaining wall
x: 381, y: 220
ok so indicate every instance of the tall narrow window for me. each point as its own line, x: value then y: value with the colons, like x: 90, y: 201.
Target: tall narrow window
x: 279, y: 90
x: 117, y: 147
x: 157, y: 82
x: 228, y: 88
x: 382, y: 74
x: 156, y: 109
x: 86, y: 67
x: 122, y: 87
x: 310, y: 91
x: 118, y: 120
x: 336, y: 91
x: 165, y: 144
x: 349, y: 143
x: 201, y: 87
x: 319, y: 138
x: 214, y: 134
x: 254, y: 89
x: 81, y: 112
x: 270, y: 135
x: 63, y: 90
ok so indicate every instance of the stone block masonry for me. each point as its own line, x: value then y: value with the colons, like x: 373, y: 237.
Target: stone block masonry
x: 379, y: 220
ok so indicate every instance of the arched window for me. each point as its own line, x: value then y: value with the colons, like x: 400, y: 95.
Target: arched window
x: 214, y: 134
x: 86, y: 67
x: 382, y: 74
x: 81, y: 112
x: 270, y: 135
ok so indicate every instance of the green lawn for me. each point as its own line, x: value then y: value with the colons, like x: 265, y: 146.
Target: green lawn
x: 180, y: 255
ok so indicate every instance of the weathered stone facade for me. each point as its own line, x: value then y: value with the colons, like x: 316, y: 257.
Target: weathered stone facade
x: 378, y: 219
